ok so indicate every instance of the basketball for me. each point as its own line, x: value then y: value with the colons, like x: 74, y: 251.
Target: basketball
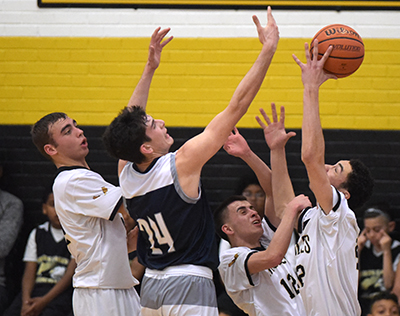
x: 348, y: 49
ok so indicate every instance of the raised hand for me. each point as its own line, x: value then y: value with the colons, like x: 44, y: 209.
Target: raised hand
x: 274, y: 132
x: 268, y: 35
x: 312, y: 73
x: 299, y: 203
x: 236, y: 145
x: 156, y: 46
x: 386, y: 241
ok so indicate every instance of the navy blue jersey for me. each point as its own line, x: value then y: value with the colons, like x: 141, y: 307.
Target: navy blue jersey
x: 52, y: 257
x: 174, y: 229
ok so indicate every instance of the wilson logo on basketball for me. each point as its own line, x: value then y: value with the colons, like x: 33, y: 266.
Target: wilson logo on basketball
x: 341, y: 30
x: 348, y: 49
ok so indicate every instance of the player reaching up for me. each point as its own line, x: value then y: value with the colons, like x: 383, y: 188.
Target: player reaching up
x: 163, y: 191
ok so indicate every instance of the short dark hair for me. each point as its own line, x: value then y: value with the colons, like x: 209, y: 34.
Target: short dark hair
x: 220, y: 214
x: 359, y: 183
x: 384, y: 295
x: 126, y: 133
x: 245, y: 181
x: 378, y: 209
x: 47, y: 190
x: 40, y: 131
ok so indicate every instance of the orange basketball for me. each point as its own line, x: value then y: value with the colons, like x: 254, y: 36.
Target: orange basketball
x: 348, y: 49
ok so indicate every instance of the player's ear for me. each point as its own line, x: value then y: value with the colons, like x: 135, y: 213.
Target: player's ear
x: 44, y: 209
x: 49, y: 149
x: 146, y: 149
x: 391, y: 225
x: 227, y: 229
x: 346, y: 193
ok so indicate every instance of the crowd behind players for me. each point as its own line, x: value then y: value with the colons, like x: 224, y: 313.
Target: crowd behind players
x: 47, y: 278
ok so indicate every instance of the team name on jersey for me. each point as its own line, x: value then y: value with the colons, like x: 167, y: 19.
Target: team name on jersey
x: 303, y: 245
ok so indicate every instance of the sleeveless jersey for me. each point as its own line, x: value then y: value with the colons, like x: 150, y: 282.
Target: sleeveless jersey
x: 52, y: 257
x: 326, y: 255
x: 274, y: 291
x: 174, y: 228
x: 371, y: 272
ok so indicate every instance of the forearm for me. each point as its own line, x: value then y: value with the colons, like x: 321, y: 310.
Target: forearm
x: 260, y: 169
x: 313, y: 144
x: 141, y: 93
x: 282, y: 188
x: 281, y: 240
x: 251, y: 83
x: 28, y: 280
x: 388, y: 273
x: 61, y: 285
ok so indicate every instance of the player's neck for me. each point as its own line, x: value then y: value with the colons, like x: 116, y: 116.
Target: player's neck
x: 71, y: 163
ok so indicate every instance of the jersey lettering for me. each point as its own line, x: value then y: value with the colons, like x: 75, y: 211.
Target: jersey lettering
x: 158, y: 230
x: 303, y: 245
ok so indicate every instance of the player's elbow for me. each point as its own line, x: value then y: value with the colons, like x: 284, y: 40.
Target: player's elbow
x: 275, y: 258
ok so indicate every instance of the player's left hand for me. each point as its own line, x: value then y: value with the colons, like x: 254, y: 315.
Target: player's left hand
x: 236, y: 145
x: 156, y: 46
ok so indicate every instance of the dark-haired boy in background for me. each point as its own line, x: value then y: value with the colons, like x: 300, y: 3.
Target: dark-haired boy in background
x: 47, y: 280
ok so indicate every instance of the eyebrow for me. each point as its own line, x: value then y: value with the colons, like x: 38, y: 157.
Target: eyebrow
x: 240, y: 208
x: 341, y: 167
x: 68, y: 126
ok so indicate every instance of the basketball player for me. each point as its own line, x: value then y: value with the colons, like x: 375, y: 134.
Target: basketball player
x: 176, y: 242
x: 256, y: 271
x: 326, y: 254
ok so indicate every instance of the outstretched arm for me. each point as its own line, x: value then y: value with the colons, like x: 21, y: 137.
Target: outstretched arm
x: 192, y: 156
x: 276, y: 250
x: 276, y: 138
x: 313, y: 143
x: 141, y: 92
x: 237, y: 146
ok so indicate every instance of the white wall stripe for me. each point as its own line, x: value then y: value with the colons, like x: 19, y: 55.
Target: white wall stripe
x: 25, y: 18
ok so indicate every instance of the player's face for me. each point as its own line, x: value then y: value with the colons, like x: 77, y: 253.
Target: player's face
x: 338, y: 173
x: 50, y: 212
x: 256, y: 196
x: 384, y: 307
x: 244, y: 220
x: 161, y: 141
x: 375, y: 228
x: 70, y: 142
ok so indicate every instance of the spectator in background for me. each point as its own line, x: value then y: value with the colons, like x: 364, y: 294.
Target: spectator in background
x: 379, y: 255
x: 384, y: 303
x: 11, y: 217
x: 250, y: 187
x: 47, y: 280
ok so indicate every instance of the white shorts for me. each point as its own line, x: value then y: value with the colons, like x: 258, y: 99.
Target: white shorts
x: 179, y: 290
x: 105, y: 302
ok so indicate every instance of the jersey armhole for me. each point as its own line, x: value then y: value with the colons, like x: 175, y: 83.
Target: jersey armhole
x: 247, y: 269
x: 116, y: 208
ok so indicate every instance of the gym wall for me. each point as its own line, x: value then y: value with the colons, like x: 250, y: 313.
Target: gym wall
x: 86, y: 62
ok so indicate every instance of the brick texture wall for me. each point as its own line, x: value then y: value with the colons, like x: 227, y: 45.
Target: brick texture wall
x: 26, y: 171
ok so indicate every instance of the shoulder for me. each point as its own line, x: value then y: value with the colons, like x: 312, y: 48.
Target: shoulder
x: 6, y: 197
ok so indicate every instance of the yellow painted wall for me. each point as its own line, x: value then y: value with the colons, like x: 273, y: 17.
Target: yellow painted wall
x: 91, y: 79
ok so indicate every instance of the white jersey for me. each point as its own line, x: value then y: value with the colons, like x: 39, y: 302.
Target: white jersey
x: 270, y: 292
x: 87, y: 208
x: 326, y: 259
